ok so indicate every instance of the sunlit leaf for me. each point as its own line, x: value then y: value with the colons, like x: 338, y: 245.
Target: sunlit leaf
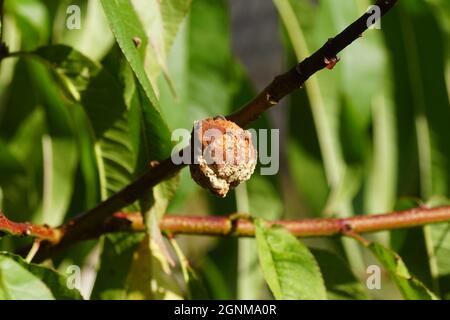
x: 195, y: 287
x: 410, y: 287
x: 161, y: 21
x: 59, y: 147
x: 128, y: 30
x: 288, y: 266
x: 20, y: 280
x: 32, y: 19
x: 202, y: 81
x: 148, y: 277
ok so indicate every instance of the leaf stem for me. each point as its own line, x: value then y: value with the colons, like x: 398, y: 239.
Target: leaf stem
x: 34, y: 249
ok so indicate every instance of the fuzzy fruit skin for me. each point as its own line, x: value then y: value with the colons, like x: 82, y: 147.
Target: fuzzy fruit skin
x: 224, y: 161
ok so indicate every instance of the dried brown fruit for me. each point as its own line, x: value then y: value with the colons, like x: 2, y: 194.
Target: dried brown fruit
x: 223, y: 155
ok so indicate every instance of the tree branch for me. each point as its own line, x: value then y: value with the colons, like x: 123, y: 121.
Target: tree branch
x: 304, y: 228
x: 92, y: 220
x: 294, y: 79
x: 227, y: 226
x: 42, y: 232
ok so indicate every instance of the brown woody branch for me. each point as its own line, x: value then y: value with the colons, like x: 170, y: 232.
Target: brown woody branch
x: 304, y: 228
x: 228, y: 226
x: 42, y: 232
x: 294, y: 79
x: 91, y: 221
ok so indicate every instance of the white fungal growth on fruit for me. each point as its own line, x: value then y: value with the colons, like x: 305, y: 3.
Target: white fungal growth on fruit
x: 223, y: 155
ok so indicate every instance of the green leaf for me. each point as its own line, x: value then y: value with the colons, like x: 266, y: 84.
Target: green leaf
x: 381, y: 183
x: 126, y: 132
x: 20, y: 280
x: 22, y: 127
x: 437, y: 237
x: 422, y: 102
x: 23, y: 195
x: 340, y: 281
x: 145, y: 138
x: 115, y: 263
x: 311, y: 169
x: 59, y: 147
x: 72, y: 69
x: 413, y: 246
x: 425, y: 249
x: 18, y: 283
x: 149, y: 276
x: 58, y: 139
x: 32, y: 19
x: 219, y: 270
x: 151, y: 143
x: 106, y: 109
x: 410, y: 287
x: 288, y: 266
x: 138, y: 285
x: 150, y: 147
x: 17, y: 106
x: 195, y: 287
x: 161, y: 21
x: 440, y: 238
x: 264, y: 199
x: 203, y: 81
x: 73, y: 73
x: 10, y: 166
x: 126, y: 27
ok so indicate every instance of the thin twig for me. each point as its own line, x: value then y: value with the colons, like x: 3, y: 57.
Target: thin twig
x: 242, y: 227
x: 294, y: 79
x: 318, y: 227
x: 42, y: 232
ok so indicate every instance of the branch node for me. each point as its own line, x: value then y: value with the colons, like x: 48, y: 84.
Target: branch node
x: 270, y: 99
x: 154, y: 163
x: 345, y: 227
x: 234, y: 219
x: 331, y: 62
x: 27, y: 230
x: 4, y: 50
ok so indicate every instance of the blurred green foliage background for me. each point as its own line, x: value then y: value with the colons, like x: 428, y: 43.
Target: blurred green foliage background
x: 368, y: 137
